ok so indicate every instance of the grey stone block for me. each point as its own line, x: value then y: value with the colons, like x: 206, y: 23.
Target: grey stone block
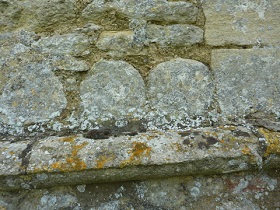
x: 179, y: 89
x: 117, y: 44
x: 115, y: 90
x: 247, y: 81
x: 72, y: 44
x: 244, y: 22
x: 174, y: 35
x: 156, y: 10
x: 32, y: 95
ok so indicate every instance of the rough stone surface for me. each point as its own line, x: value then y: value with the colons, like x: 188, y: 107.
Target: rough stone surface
x: 156, y: 10
x: 146, y: 155
x: 259, y: 190
x: 35, y: 14
x: 150, y: 125
x: 72, y: 44
x: 174, y: 35
x: 244, y: 22
x: 247, y: 81
x: 34, y: 95
x: 117, y: 43
x: 114, y: 91
x: 179, y: 90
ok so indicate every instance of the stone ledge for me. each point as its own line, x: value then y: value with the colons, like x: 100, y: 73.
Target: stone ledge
x: 70, y: 160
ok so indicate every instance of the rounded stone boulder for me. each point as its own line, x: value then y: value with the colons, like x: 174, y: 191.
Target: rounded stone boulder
x: 180, y: 88
x: 114, y: 90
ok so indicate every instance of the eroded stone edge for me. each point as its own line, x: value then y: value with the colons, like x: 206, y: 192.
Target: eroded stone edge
x: 249, y: 152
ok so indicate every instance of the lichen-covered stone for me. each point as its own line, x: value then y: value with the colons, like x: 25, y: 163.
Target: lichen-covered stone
x: 179, y: 89
x: 174, y: 35
x: 32, y: 95
x: 73, y: 44
x: 11, y: 158
x: 246, y: 22
x: 115, y: 90
x: 156, y: 10
x: 30, y: 92
x: 117, y: 43
x: 159, y: 10
x: 42, y: 15
x: 197, y: 151
x: 254, y: 190
x: 247, y: 81
x: 10, y: 14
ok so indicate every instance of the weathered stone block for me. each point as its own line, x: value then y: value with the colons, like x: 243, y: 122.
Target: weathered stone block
x: 159, y: 10
x: 146, y: 155
x: 117, y: 43
x: 10, y: 14
x: 244, y: 22
x: 247, y: 80
x: 11, y: 158
x: 156, y: 10
x: 179, y: 89
x: 174, y: 35
x: 115, y: 90
x: 72, y: 44
x: 32, y: 95
x: 40, y: 15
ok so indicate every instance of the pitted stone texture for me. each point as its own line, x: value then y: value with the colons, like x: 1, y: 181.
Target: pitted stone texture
x: 174, y: 35
x: 250, y: 191
x: 178, y: 89
x: 116, y: 43
x: 38, y: 15
x: 32, y: 95
x: 145, y: 155
x: 159, y: 10
x: 115, y: 90
x: 10, y: 13
x: 247, y: 81
x: 11, y: 158
x: 245, y: 22
x: 72, y: 44
x: 156, y: 10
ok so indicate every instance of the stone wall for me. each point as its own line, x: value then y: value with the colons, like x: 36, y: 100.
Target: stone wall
x: 128, y: 104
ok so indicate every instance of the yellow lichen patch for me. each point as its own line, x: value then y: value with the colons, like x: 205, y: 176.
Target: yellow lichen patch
x: 69, y: 139
x: 178, y: 147
x: 139, y: 150
x: 246, y: 150
x: 102, y: 161
x: 273, y: 141
x: 73, y: 162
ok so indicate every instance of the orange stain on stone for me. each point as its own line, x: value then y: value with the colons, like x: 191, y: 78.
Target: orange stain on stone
x: 139, y: 150
x: 73, y: 161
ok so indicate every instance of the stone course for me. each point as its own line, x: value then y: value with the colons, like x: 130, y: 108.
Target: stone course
x: 129, y: 104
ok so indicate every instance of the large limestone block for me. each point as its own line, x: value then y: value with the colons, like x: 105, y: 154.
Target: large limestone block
x: 247, y: 80
x: 174, y: 35
x: 74, y: 160
x: 157, y: 10
x: 179, y: 89
x: 115, y: 90
x: 243, y: 22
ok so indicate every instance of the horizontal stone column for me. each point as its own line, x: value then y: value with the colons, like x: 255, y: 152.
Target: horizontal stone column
x: 56, y: 161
